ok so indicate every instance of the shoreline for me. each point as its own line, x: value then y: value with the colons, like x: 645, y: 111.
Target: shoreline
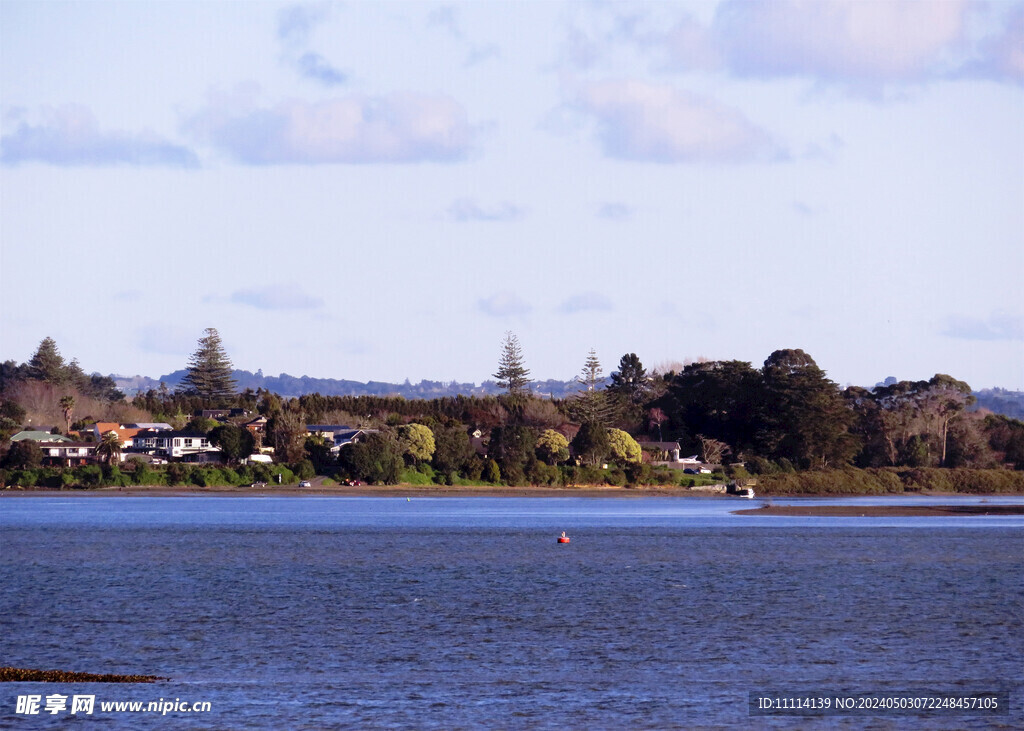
x: 362, y: 491
x: 590, y: 491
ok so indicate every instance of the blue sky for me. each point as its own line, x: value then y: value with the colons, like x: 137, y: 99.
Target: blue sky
x: 381, y: 190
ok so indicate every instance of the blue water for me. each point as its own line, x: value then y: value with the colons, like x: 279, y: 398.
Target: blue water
x: 465, y: 613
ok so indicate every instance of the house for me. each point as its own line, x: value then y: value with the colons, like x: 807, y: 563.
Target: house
x: 257, y: 425
x: 220, y: 414
x: 188, y: 446
x: 339, y: 435
x: 144, y: 441
x: 327, y: 430
x: 661, y: 451
x: 124, y: 434
x: 39, y: 436
x: 68, y: 453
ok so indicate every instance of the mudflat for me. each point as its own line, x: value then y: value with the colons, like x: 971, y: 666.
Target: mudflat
x: 883, y: 511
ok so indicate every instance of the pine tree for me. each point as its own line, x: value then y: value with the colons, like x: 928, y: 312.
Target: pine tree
x: 592, y: 371
x: 512, y: 375
x: 209, y: 370
x: 630, y: 382
x: 47, y: 364
x: 591, y: 404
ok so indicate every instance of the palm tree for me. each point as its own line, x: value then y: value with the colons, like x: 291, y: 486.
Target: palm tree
x: 109, y: 447
x: 67, y: 403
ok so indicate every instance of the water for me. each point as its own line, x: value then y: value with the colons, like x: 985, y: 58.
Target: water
x: 465, y: 613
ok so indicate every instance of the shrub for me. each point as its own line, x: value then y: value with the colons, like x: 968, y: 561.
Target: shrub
x: 304, y: 470
x: 417, y: 442
x: 623, y: 448
x: 413, y: 477
x: 540, y: 473
x: 89, y: 475
x: 615, y: 477
x: 760, y: 466
x: 23, y: 478
x: 639, y: 474
x: 552, y: 447
x: 176, y: 473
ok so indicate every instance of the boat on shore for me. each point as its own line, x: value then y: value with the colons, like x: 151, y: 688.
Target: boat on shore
x: 737, y: 491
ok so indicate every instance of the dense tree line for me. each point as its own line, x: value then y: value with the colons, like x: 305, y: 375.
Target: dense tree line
x: 783, y: 417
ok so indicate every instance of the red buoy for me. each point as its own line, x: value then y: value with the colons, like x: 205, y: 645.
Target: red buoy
x: 563, y: 538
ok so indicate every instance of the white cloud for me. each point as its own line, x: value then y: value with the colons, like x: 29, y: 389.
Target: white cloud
x: 448, y: 18
x: 398, y: 128
x: 467, y: 209
x: 586, y: 302
x: 1001, y: 56
x: 839, y: 39
x: 637, y: 120
x: 282, y: 297
x: 71, y: 136
x: 998, y: 326
x: 295, y: 26
x: 504, y: 304
x: 166, y: 339
x: 614, y: 211
x: 863, y: 46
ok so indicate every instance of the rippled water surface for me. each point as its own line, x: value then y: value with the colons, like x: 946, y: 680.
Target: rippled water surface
x: 465, y: 612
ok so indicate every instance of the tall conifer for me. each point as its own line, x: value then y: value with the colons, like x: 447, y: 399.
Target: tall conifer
x: 209, y: 370
x: 512, y: 374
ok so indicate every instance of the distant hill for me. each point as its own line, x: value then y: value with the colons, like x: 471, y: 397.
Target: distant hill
x: 293, y: 386
x: 996, y: 400
x: 1001, y: 401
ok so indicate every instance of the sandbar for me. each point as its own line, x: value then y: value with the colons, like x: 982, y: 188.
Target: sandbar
x: 884, y: 511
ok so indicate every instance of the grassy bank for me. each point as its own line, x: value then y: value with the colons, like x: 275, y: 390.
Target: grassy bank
x: 891, y: 480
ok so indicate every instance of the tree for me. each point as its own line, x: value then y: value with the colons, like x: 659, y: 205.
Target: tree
x: 235, y: 442
x: 109, y: 447
x: 591, y: 443
x: 630, y: 382
x: 804, y: 418
x: 655, y: 418
x: 712, y: 451
x: 720, y: 399
x: 47, y: 363
x: 512, y: 446
x: 23, y: 455
x: 590, y: 404
x: 623, y: 447
x: 452, y: 450
x: 209, y: 370
x: 592, y: 372
x: 12, y: 416
x: 946, y: 399
x: 552, y: 446
x: 67, y: 405
x: 318, y: 453
x: 417, y: 442
x: 512, y: 375
x: 286, y: 431
x: 376, y: 459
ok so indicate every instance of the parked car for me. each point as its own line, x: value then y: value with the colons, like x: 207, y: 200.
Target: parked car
x: 305, y: 483
x: 258, y: 484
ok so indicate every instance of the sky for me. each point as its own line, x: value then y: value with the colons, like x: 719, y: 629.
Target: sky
x: 382, y: 190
